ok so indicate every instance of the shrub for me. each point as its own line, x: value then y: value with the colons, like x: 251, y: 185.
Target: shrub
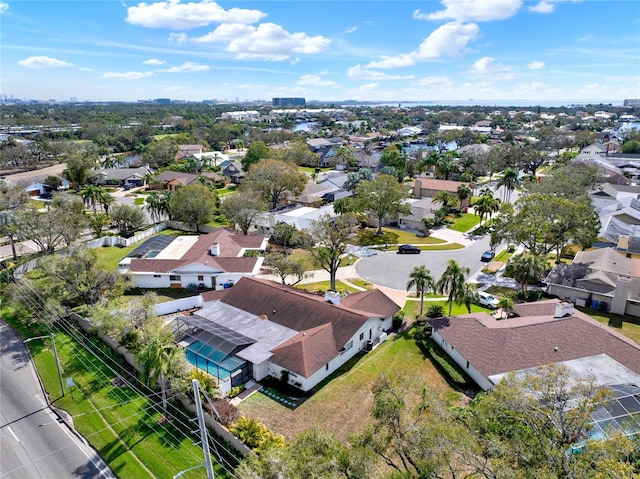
x: 435, y: 311
x: 192, y: 287
x: 228, y: 412
x: 255, y: 434
x: 235, y: 390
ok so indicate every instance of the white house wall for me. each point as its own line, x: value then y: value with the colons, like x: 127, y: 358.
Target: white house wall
x: 461, y: 361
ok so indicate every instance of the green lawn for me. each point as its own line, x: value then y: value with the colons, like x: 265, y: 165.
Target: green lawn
x: 110, y: 256
x: 407, y: 237
x: 465, y: 222
x: 412, y: 308
x: 503, y: 255
x: 138, y: 201
x: 342, y: 404
x: 127, y: 429
x: 226, y: 191
x: 434, y: 247
x: 627, y: 325
x: 325, y: 285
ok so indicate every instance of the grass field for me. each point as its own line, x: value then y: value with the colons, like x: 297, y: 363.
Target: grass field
x: 127, y: 429
x: 412, y: 308
x: 465, y: 222
x: 627, y: 325
x: 343, y: 404
x: 407, y: 237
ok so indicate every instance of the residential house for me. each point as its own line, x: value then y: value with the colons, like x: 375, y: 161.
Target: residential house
x: 172, y: 180
x: 185, y: 151
x: 233, y: 171
x: 422, y: 208
x: 594, y: 149
x: 618, y: 209
x: 327, y: 190
x: 325, y: 149
x: 429, y: 187
x: 130, y: 177
x: 302, y: 217
x: 36, y: 185
x: 546, y: 332
x: 215, y: 260
x: 601, y: 278
x: 261, y: 328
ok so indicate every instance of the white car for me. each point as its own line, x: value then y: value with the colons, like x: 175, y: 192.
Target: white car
x: 487, y: 300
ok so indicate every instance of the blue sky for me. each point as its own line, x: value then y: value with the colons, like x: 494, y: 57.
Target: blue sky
x: 486, y: 50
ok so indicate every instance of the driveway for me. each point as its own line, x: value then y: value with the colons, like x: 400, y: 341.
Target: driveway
x: 392, y: 270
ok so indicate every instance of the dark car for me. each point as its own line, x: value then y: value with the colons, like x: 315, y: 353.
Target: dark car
x: 408, y: 249
x: 487, y: 256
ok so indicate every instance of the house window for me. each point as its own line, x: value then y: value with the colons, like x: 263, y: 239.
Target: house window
x: 200, y: 277
x: 174, y: 277
x: 347, y: 346
x: 361, y: 336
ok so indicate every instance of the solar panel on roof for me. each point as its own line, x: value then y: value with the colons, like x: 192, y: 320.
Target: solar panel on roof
x: 155, y: 243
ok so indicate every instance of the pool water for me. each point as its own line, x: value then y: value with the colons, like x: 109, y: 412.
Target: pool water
x: 208, y: 359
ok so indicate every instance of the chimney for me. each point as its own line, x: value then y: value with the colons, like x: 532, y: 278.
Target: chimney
x: 564, y: 308
x: 215, y: 249
x: 332, y: 297
x: 621, y: 294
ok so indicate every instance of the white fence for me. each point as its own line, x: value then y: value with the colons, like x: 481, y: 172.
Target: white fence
x: 178, y: 305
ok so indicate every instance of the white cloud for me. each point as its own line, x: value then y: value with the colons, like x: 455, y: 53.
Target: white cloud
x: 295, y: 61
x: 487, y: 67
x: 369, y: 87
x: 43, y: 62
x: 86, y: 69
x: 473, y: 10
x: 357, y: 72
x: 154, y: 61
x: 351, y: 30
x: 267, y: 41
x: 4, y: 6
x: 178, y: 38
x: 184, y: 16
x: 448, y: 40
x: 441, y: 83
x: 536, y: 65
x: 404, y: 60
x: 186, y: 67
x: 543, y: 7
x: 315, y: 80
x: 128, y: 75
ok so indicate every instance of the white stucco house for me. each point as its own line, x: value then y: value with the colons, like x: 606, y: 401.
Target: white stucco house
x: 215, y: 260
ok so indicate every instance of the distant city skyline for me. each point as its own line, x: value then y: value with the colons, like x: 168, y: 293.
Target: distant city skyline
x: 450, y: 51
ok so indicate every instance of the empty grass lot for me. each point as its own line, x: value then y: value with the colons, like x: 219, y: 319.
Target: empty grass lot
x: 465, y: 222
x: 124, y: 427
x: 343, y: 403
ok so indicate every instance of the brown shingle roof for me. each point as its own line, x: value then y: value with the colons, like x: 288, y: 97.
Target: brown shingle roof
x: 495, y: 347
x: 295, y: 309
x: 372, y: 300
x: 439, y: 185
x: 307, y: 351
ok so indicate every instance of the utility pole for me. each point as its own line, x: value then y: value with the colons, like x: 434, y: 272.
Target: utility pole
x: 203, y: 429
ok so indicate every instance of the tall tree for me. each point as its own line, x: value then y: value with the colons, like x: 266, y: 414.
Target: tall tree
x: 420, y: 278
x: 127, y: 219
x: 284, y: 266
x: 194, y: 205
x: 526, y: 269
x: 468, y: 296
x: 258, y: 150
x: 452, y: 282
x: 485, y: 205
x: 275, y: 180
x: 384, y: 198
x: 12, y: 200
x: 447, y: 199
x: 509, y: 181
x: 243, y: 208
x: 330, y: 236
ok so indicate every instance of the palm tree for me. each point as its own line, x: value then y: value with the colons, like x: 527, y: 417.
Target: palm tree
x: 526, y: 269
x: 97, y: 221
x: 468, y: 296
x: 447, y: 199
x: 506, y: 305
x: 486, y: 205
x: 452, y: 281
x: 106, y: 200
x: 156, y: 361
x: 421, y: 278
x: 510, y: 180
x: 90, y: 195
x: 463, y: 192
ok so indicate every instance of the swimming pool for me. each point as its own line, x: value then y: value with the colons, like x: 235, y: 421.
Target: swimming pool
x: 208, y: 359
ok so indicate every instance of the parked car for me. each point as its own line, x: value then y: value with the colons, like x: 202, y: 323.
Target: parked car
x: 408, y: 249
x: 488, y: 300
x: 487, y: 256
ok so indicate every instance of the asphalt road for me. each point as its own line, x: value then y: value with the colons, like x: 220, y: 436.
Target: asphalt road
x: 34, y: 443
x: 392, y: 270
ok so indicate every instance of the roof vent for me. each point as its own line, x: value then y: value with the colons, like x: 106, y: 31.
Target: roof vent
x: 332, y: 296
x: 263, y: 317
x: 215, y: 249
x: 564, y: 308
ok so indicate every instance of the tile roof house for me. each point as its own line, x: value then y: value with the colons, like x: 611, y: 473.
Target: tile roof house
x: 280, y: 331
x: 602, y: 275
x: 122, y: 176
x: 214, y: 260
x: 548, y: 332
x: 172, y: 180
x: 185, y: 151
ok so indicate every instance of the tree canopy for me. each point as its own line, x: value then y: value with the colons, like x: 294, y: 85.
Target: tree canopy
x: 383, y: 197
x: 275, y: 180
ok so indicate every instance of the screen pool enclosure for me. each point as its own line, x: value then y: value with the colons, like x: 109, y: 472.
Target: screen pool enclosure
x: 212, y: 348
